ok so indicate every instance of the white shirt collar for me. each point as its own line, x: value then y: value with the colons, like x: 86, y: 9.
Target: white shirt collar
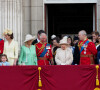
x: 38, y: 40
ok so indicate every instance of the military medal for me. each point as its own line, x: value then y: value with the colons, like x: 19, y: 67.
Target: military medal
x: 84, y: 49
x: 48, y: 53
x: 48, y: 47
x: 84, y: 52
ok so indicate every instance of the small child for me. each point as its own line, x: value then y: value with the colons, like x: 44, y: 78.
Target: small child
x: 4, y: 60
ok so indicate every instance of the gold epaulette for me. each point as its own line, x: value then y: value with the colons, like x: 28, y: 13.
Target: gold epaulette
x: 89, y: 40
x: 80, y: 44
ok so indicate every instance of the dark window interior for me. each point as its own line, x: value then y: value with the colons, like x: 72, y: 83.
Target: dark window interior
x: 69, y: 18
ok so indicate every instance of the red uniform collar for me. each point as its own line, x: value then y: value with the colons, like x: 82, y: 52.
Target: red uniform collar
x: 43, y: 43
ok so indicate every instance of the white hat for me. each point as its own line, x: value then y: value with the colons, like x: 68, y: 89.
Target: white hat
x: 65, y: 37
x: 63, y: 41
x: 29, y: 37
x: 53, y: 36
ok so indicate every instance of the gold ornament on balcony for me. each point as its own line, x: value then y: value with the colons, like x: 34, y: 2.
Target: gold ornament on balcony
x: 97, y: 80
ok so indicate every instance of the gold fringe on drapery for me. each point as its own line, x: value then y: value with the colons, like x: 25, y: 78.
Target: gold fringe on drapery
x: 97, y: 80
x: 39, y: 82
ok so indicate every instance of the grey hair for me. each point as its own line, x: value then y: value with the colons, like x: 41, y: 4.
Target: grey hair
x: 42, y: 34
x: 83, y: 32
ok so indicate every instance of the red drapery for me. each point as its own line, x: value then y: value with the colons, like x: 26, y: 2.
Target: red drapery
x: 52, y: 77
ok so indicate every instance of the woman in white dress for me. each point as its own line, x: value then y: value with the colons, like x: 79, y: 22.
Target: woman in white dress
x: 64, y: 54
x: 10, y: 47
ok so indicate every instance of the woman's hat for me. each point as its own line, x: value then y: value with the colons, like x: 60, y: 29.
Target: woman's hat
x: 29, y: 37
x: 53, y: 36
x: 65, y: 37
x: 7, y: 31
x: 63, y: 41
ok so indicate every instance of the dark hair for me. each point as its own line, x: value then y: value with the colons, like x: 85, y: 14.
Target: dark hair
x: 11, y: 36
x: 71, y: 40
x: 57, y: 39
x: 75, y: 38
x: 3, y: 55
x: 41, y: 31
x: 96, y: 33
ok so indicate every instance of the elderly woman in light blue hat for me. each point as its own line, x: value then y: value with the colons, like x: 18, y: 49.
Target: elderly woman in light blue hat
x: 28, y: 52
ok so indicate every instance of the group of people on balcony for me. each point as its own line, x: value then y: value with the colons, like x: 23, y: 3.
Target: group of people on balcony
x: 66, y: 51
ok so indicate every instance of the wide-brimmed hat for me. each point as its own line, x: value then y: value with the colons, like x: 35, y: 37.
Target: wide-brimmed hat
x: 7, y: 31
x: 63, y: 41
x: 29, y: 37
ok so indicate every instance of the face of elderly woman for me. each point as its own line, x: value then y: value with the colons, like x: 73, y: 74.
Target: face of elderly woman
x: 29, y: 42
x: 63, y: 46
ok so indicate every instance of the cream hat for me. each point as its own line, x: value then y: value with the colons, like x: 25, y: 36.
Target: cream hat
x: 65, y: 37
x: 7, y: 31
x: 63, y: 41
x: 29, y: 37
x: 53, y: 36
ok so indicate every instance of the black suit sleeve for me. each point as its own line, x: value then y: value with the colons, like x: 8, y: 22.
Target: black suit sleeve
x: 34, y: 42
x: 98, y: 49
x: 76, y: 55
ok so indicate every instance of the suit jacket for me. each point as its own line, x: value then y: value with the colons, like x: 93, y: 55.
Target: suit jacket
x: 98, y: 48
x: 76, y: 55
x: 34, y: 42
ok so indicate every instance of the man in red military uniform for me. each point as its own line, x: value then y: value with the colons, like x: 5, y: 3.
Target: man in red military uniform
x: 1, y: 46
x: 87, y: 49
x: 43, y: 51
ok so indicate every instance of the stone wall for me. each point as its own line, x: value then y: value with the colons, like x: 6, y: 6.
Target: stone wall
x: 99, y: 15
x: 11, y: 18
x: 32, y: 16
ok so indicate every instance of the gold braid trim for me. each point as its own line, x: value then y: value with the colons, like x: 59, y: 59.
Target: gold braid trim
x: 41, y: 48
x: 80, y: 45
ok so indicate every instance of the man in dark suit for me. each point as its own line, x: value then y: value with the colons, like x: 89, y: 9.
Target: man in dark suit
x: 38, y: 37
x: 76, y: 55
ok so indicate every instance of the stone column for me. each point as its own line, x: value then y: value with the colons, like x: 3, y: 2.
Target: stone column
x: 11, y: 18
x: 26, y: 18
x: 99, y: 15
x: 36, y: 16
